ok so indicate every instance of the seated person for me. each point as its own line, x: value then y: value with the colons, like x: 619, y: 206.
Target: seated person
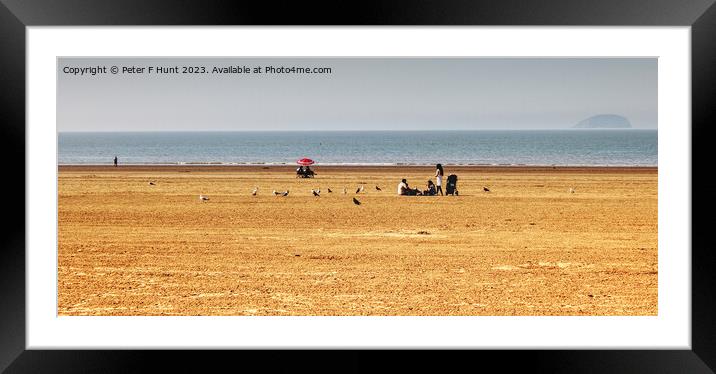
x: 404, y: 189
x: 309, y: 172
x: 431, y: 189
x: 300, y: 172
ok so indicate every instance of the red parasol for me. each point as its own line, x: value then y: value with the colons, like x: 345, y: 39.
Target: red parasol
x: 305, y: 162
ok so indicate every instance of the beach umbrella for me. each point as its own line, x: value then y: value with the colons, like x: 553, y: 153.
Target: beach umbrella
x: 305, y: 162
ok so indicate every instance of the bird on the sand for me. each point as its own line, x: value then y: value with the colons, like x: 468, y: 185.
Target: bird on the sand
x: 329, y: 190
x: 378, y: 188
x: 276, y: 192
x: 571, y: 190
x: 152, y: 183
x: 285, y: 193
x: 344, y: 190
x: 485, y: 189
x: 316, y: 193
x: 203, y: 198
x: 255, y: 191
x: 360, y: 189
x: 355, y: 201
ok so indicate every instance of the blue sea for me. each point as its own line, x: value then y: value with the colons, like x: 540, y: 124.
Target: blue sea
x: 624, y: 147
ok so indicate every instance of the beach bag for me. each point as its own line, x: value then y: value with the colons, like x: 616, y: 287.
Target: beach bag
x: 451, y: 188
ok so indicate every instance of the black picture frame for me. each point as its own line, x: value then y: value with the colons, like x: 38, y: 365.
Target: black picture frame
x: 16, y: 15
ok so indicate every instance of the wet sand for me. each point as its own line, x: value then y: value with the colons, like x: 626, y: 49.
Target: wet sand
x: 527, y: 247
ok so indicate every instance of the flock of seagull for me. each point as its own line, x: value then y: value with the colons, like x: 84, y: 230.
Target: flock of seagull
x: 317, y: 192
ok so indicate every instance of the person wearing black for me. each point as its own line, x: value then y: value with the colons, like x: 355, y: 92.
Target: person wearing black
x: 404, y: 189
x: 115, y: 161
x: 431, y: 189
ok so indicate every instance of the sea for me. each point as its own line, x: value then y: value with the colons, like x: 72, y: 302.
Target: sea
x: 575, y: 147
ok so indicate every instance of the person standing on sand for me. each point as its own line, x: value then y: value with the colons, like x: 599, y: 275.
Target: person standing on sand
x: 115, y: 161
x: 439, y: 179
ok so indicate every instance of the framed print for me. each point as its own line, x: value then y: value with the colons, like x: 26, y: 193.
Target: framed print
x: 244, y: 186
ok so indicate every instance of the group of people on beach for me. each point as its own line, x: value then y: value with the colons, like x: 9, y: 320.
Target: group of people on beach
x: 304, y: 172
x: 432, y: 189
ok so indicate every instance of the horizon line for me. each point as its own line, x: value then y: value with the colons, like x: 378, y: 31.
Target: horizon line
x: 352, y: 130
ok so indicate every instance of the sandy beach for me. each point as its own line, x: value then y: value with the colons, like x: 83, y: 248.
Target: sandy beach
x: 528, y: 247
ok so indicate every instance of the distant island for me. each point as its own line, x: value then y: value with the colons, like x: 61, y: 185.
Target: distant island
x: 604, y: 121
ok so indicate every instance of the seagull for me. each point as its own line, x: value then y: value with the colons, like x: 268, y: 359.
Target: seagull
x: 355, y: 201
x: 571, y: 190
x: 329, y: 190
x: 276, y: 192
x: 344, y: 190
x: 485, y: 189
x: 378, y: 188
x: 203, y: 198
x: 360, y: 189
x: 152, y: 183
x: 256, y: 190
x: 316, y: 193
x: 285, y: 193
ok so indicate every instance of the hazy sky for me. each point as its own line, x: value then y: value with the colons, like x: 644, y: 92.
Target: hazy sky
x: 359, y: 94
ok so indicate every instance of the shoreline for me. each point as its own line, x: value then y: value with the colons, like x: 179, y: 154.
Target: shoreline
x: 253, y: 167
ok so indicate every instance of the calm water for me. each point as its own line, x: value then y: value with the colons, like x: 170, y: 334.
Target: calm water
x: 518, y: 147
